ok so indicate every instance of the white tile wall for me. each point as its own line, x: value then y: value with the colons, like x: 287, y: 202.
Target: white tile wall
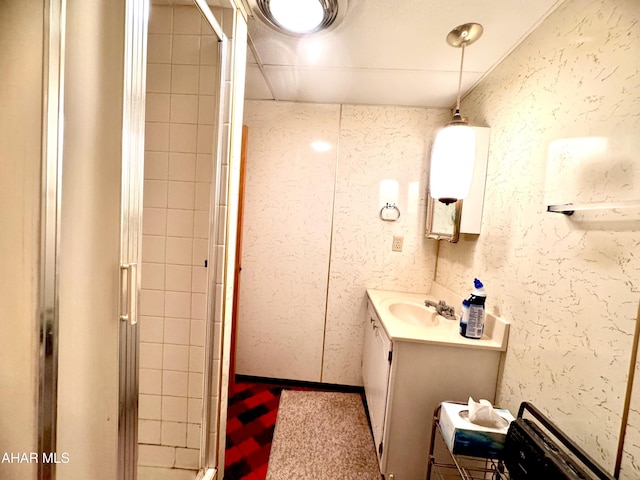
x: 150, y: 381
x: 156, y: 165
x: 153, y: 248
x: 151, y: 303
x: 150, y: 407
x: 186, y: 50
x: 156, y: 456
x: 179, y: 250
x: 158, y: 107
x: 186, y: 21
x: 176, y: 331
x: 185, y: 79
x: 150, y: 355
x: 161, y: 20
x: 149, y: 431
x: 184, y: 109
x: 177, y: 304
x: 188, y: 458
x: 193, y: 435
x: 175, y: 383
x: 194, y: 410
x: 182, y: 166
x: 154, y: 221
x: 158, y: 78
x: 174, y: 409
x: 175, y: 357
x: 178, y: 172
x: 153, y: 276
x: 155, y: 193
x: 178, y: 278
x: 151, y: 329
x: 174, y: 434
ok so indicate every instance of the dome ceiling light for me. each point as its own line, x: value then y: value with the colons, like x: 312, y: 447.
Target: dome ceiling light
x: 301, y: 17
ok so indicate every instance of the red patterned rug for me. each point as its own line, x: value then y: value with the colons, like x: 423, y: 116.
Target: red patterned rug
x: 251, y: 419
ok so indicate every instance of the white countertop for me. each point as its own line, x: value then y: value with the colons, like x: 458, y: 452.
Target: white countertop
x: 446, y: 332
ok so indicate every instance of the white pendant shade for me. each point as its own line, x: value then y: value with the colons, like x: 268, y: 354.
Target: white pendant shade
x: 452, y: 160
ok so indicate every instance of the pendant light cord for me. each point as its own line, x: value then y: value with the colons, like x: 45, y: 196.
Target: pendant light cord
x: 460, y: 79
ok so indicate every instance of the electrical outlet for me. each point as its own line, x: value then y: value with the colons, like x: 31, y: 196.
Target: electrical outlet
x: 397, y: 243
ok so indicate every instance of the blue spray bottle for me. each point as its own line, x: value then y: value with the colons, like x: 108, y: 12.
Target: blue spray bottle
x: 472, y: 317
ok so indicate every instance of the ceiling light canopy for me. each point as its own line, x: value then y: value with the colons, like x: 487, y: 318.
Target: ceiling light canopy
x: 301, y: 17
x: 454, y: 150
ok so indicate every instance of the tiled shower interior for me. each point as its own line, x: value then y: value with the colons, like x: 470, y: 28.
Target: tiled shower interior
x: 180, y: 120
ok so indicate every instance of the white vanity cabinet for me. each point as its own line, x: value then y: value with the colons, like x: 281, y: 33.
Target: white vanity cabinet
x: 376, y: 364
x: 404, y: 382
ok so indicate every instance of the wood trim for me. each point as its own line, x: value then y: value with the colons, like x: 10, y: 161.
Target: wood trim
x: 238, y: 259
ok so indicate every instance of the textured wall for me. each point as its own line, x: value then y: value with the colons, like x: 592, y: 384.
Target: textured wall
x: 570, y: 286
x: 376, y: 144
x: 299, y: 244
x: 286, y: 239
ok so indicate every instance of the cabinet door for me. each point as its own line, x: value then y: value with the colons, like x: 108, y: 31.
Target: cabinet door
x: 375, y: 374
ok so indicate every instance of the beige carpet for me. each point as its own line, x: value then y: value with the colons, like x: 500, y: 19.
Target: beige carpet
x: 322, y: 435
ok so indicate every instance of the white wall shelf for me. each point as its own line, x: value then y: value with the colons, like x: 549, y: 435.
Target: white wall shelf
x: 570, y: 208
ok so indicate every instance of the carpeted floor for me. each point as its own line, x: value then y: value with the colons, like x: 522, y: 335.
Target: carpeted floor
x: 252, y: 413
x: 322, y: 435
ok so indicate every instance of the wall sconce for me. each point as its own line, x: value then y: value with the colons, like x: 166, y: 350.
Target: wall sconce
x: 300, y: 17
x: 454, y: 149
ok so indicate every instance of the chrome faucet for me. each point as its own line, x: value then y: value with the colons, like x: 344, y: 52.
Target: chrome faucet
x: 447, y: 311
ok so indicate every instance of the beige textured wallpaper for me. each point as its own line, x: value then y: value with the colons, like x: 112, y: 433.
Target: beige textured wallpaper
x: 570, y: 285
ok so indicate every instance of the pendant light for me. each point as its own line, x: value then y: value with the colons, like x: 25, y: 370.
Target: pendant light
x: 454, y: 149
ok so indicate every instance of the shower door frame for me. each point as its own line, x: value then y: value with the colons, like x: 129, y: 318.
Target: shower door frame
x: 208, y: 465
x: 133, y: 117
x: 133, y: 129
x: 51, y: 179
x: 131, y: 234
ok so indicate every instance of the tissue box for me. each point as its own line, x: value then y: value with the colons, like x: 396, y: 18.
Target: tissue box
x: 465, y: 438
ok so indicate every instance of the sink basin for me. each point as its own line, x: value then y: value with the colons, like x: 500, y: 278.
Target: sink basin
x: 414, y: 314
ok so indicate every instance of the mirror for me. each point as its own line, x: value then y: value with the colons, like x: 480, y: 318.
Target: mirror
x: 443, y: 221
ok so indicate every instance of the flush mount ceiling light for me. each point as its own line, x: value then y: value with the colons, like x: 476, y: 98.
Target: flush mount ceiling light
x: 301, y: 17
x: 454, y: 149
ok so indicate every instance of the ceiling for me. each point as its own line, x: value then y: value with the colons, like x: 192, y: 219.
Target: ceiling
x: 388, y: 52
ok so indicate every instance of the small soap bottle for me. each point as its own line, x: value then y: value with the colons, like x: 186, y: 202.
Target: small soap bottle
x: 475, y: 321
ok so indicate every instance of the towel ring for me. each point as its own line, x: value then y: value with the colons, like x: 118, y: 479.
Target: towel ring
x: 390, y: 206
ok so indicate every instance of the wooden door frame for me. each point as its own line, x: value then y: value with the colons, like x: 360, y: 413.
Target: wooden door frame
x: 238, y: 261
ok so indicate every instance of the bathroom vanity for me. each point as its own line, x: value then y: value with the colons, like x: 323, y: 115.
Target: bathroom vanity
x: 414, y: 359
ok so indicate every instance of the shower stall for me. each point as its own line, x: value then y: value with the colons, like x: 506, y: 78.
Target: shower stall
x: 184, y: 210
x: 141, y: 119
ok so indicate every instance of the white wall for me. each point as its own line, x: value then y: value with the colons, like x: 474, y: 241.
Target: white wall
x: 571, y: 286
x: 286, y: 239
x: 21, y: 37
x: 313, y: 241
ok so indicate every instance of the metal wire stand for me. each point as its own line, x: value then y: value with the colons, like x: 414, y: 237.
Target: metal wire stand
x: 461, y: 466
